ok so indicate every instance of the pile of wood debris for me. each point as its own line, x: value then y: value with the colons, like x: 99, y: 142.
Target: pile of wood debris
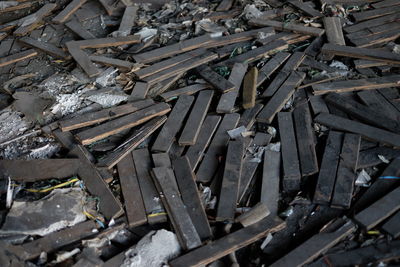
x: 199, y: 133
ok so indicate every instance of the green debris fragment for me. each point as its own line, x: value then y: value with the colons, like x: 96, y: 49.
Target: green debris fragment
x: 224, y: 71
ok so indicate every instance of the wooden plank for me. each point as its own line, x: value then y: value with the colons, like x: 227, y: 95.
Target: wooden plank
x: 374, y: 13
x: 385, y: 3
x: 271, y: 66
x: 92, y: 118
x: 134, y: 207
x: 379, y: 210
x: 183, y: 225
x: 362, y: 112
x: 187, y: 65
x: 78, y: 29
x: 371, y: 23
x: 82, y: 59
x: 132, y: 142
x: 364, y: 53
x: 125, y: 122
x: 174, y: 49
x: 45, y: 47
x: 229, y: 243
x: 209, y: 164
x: 196, y: 118
x: 329, y: 165
x: 139, y: 91
x: 318, y: 104
x: 114, y: 62
x: 292, y: 64
x: 315, y: 246
x: 370, y: 32
x: 196, y: 151
x: 67, y: 12
x: 290, y: 160
x: 356, y: 85
x: 186, y: 180
x: 305, y: 8
x: 128, y: 20
x: 250, y: 88
x: 34, y: 19
x: 16, y: 7
x: 377, y: 39
x: 173, y: 124
x: 270, y: 180
x: 248, y: 117
x: 56, y: 240
x: 391, y: 226
x: 369, y: 157
x: 225, y: 5
x: 365, y: 63
x: 294, y: 27
x: 187, y: 90
x: 346, y: 172
x: 333, y: 29
x: 154, y: 208
x: 216, y: 80
x: 38, y: 169
x: 305, y: 139
x: 315, y: 47
x: 230, y: 182
x: 227, y: 101
x: 256, y: 214
x: 8, y: 60
x: 113, y: 8
x: 278, y: 100
x: 107, y: 42
x: 369, y: 132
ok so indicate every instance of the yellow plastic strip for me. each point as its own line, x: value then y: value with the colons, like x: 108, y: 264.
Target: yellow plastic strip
x: 53, y: 187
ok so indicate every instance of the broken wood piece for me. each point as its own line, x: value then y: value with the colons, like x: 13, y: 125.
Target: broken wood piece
x: 134, y: 207
x: 229, y: 243
x: 8, y: 60
x: 315, y: 246
x: 196, y: 151
x: 369, y: 132
x: 291, y: 26
x: 114, y: 62
x: 256, y: 214
x: 248, y: 117
x: 113, y: 8
x: 209, y: 163
x: 328, y: 170
x: 363, y: 53
x: 215, y: 79
x: 154, y: 208
x: 182, y: 223
x: 173, y: 124
x: 67, y: 12
x: 45, y: 47
x: 379, y: 210
x: 227, y: 101
x: 126, y: 122
x: 346, y: 172
x: 186, y: 180
x: 188, y: 90
x: 230, y: 182
x: 290, y: 159
x: 356, y: 85
x: 139, y: 91
x: 38, y: 169
x: 333, y: 29
x: 305, y: 139
x: 82, y: 59
x: 128, y: 20
x: 134, y: 140
x: 278, y: 100
x: 197, y: 115
x: 31, y: 22
x: 271, y: 66
x: 77, y: 28
x: 250, y: 88
x: 270, y: 181
x: 305, y: 8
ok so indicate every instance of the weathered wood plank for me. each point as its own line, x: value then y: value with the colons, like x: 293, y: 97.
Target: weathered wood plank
x: 126, y: 122
x: 107, y: 42
x: 385, y: 3
x: 271, y: 66
x: 195, y: 153
x: 230, y: 182
x: 45, y: 47
x: 372, y: 22
x: 186, y: 180
x: 290, y: 159
x: 346, y: 172
x: 375, y: 40
x: 196, y: 118
x: 250, y: 88
x: 356, y: 85
x: 108, y: 61
x: 173, y: 124
x: 78, y: 29
x: 219, y: 82
x: 318, y: 104
x: 183, y: 225
x: 392, y: 225
x: 276, y: 103
x: 187, y: 90
x: 8, y: 60
x: 333, y: 29
x: 270, y: 180
x: 364, y: 130
x: 294, y: 27
x: 35, y: 19
x: 139, y: 91
x: 67, y: 12
x: 369, y: 157
x: 228, y: 244
x: 128, y: 20
x: 134, y: 207
x: 305, y: 8
x: 379, y: 210
x: 209, y: 164
x: 374, y: 13
x: 82, y: 59
x: 329, y: 165
x: 248, y: 117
